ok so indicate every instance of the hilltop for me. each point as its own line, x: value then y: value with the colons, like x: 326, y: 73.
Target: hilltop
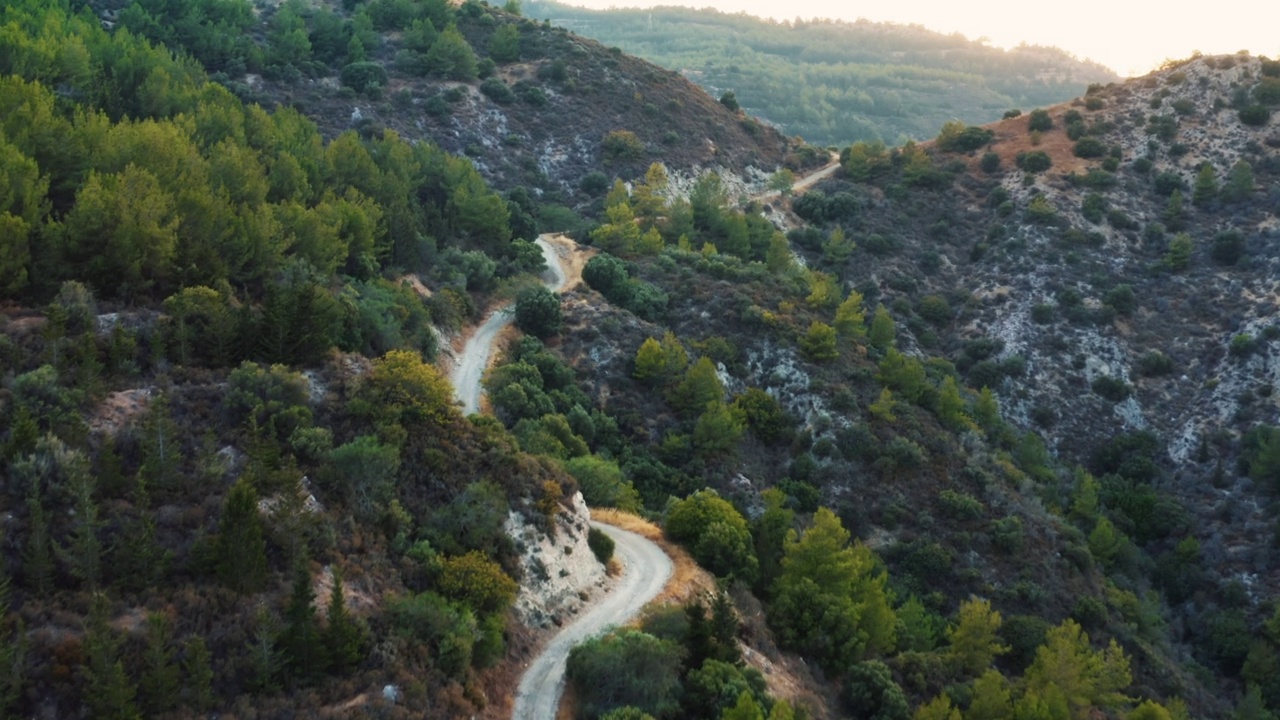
x: 834, y: 82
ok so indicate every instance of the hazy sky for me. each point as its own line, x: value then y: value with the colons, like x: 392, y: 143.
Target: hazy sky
x: 1130, y: 36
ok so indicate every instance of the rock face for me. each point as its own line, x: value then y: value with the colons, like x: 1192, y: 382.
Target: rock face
x: 561, y: 573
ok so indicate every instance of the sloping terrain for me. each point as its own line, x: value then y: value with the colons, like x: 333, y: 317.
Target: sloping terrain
x: 832, y: 81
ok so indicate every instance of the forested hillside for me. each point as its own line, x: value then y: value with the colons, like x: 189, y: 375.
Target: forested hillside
x: 178, y: 491
x: 987, y: 433
x: 834, y: 82
x: 473, y: 79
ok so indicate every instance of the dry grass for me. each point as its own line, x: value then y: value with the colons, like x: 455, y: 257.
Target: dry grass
x: 1013, y: 137
x: 688, y: 580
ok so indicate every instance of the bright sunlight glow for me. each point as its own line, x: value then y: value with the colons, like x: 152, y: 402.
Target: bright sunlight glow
x: 1130, y: 36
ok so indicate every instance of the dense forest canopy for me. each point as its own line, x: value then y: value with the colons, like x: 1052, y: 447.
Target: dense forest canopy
x: 835, y: 82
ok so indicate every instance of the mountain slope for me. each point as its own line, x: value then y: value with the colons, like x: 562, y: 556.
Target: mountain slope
x: 835, y: 82
x: 532, y: 105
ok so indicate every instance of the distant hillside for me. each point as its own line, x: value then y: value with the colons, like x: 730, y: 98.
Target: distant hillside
x: 836, y: 82
x: 532, y: 105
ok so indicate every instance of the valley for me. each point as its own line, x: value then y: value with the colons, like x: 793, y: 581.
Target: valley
x: 404, y: 358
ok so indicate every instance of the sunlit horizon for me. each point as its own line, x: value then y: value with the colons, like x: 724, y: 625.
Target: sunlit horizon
x: 1131, y: 38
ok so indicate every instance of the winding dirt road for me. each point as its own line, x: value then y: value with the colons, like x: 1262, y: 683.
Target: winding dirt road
x: 474, y: 360
x: 646, y: 570
x: 645, y: 567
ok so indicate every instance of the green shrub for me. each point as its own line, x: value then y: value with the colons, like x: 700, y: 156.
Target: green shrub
x: 935, y: 309
x: 870, y: 693
x: 1255, y: 115
x: 1122, y: 298
x: 1267, y: 92
x: 715, y: 533
x: 1120, y: 220
x: 601, y: 545
x: 497, y: 91
x: 1111, y: 388
x: 1242, y: 345
x: 622, y: 146
x: 1094, y: 208
x: 1228, y: 247
x: 990, y: 162
x: 1040, y: 121
x: 625, y: 669
x: 1010, y: 114
x: 360, y: 76
x: 1035, y: 161
x: 1155, y: 363
x: 1007, y: 535
x: 1042, y: 313
x: 960, y: 506
x: 1166, y: 182
x: 954, y: 139
x: 538, y: 312
x: 1090, y: 148
x: 1094, y: 103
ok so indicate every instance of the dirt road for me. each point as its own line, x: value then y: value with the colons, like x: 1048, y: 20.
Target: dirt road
x: 475, y: 356
x: 645, y: 571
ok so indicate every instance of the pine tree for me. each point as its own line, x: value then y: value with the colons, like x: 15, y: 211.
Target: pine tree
x: 951, y: 406
x: 718, y: 429
x: 108, y: 691
x: 265, y: 658
x: 111, y: 476
x: 724, y: 629
x: 37, y: 556
x: 13, y: 650
x: 675, y: 359
x: 884, y: 406
x: 452, y: 57
x: 938, y: 708
x: 819, y: 343
x: 700, y: 386
x: 300, y: 641
x: 851, y: 318
x: 975, y: 640
x: 838, y: 247
x: 1085, y: 677
x: 770, y: 532
x: 1174, y: 215
x: 1179, y: 256
x: 83, y: 554
x: 649, y: 367
x: 986, y: 410
x: 241, y: 549
x: 198, y: 671
x: 778, y: 257
x: 746, y: 708
x: 1206, y: 187
x: 990, y: 698
x: 161, y: 452
x: 882, y: 329
x: 158, y: 687
x: 1239, y: 185
x: 23, y: 434
x: 343, y: 636
x: 139, y: 559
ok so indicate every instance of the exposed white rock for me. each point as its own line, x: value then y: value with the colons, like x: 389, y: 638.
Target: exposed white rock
x: 560, y: 571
